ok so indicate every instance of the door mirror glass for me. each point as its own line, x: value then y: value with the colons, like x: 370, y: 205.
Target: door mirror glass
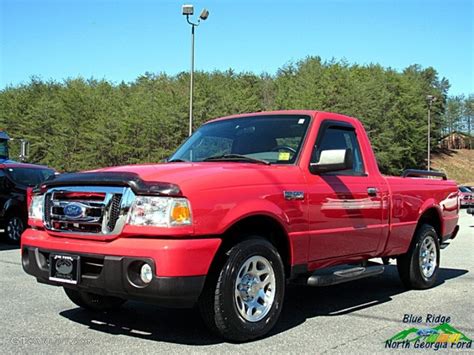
x: 333, y: 160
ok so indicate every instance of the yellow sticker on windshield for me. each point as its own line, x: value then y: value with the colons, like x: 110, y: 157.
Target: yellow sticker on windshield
x: 284, y: 156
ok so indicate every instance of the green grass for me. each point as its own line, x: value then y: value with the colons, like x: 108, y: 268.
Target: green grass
x: 458, y: 164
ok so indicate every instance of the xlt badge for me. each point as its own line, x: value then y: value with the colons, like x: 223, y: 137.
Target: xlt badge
x: 293, y: 195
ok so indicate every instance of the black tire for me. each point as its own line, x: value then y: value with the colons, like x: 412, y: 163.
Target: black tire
x: 219, y: 304
x: 92, y: 301
x: 14, y: 227
x: 409, y: 264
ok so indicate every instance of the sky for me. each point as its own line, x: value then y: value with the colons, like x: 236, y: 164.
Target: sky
x: 119, y: 40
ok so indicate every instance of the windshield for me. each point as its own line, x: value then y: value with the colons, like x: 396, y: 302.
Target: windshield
x: 272, y: 138
x: 464, y: 189
x: 29, y: 176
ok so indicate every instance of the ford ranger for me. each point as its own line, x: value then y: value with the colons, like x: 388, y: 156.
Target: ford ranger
x: 246, y: 205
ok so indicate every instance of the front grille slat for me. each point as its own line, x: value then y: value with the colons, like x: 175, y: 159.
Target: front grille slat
x: 47, y: 209
x: 69, y: 210
x: 114, y: 211
x: 90, y: 219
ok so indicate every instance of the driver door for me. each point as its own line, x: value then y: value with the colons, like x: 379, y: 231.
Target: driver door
x: 345, y: 207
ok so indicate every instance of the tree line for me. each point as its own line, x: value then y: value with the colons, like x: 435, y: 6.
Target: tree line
x: 79, y: 124
x: 459, y: 116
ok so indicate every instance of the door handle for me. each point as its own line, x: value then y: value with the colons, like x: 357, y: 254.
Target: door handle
x: 372, y: 191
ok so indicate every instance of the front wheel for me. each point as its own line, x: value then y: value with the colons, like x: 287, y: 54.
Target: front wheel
x: 243, y: 300
x: 14, y: 228
x: 92, y: 301
x: 418, y: 268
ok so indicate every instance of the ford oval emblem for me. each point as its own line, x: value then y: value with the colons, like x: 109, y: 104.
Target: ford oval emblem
x: 73, y: 210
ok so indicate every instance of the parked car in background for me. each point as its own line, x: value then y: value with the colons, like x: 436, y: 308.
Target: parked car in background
x: 466, y: 196
x: 15, y: 178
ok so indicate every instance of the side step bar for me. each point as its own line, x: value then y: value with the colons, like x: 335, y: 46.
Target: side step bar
x: 345, y: 275
x: 444, y: 245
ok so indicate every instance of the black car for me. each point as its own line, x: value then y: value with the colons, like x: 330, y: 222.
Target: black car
x: 15, y: 178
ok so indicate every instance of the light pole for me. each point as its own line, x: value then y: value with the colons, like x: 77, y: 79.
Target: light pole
x: 430, y: 99
x: 188, y: 10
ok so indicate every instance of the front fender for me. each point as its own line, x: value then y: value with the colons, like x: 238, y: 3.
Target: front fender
x: 13, y: 205
x: 252, y: 208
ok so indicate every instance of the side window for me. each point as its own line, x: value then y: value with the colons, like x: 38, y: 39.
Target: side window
x: 2, y: 180
x: 340, y: 138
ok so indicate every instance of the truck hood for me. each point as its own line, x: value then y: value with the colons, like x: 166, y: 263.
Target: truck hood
x: 212, y: 175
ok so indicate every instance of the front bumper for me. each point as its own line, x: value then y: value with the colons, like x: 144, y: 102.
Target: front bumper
x: 179, y: 266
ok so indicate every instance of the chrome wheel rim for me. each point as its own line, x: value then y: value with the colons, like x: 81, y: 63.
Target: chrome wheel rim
x: 428, y: 257
x: 255, y: 288
x: 14, y: 229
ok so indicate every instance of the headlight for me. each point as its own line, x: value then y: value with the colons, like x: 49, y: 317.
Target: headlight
x: 160, y: 212
x: 35, y: 210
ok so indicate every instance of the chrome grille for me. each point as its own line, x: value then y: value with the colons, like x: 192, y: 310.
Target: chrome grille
x: 114, y: 211
x: 87, y: 209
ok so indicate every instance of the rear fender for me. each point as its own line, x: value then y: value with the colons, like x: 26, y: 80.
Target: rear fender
x: 432, y: 204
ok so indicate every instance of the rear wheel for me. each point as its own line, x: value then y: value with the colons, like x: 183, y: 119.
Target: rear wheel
x: 92, y: 301
x: 14, y: 227
x: 244, y: 299
x: 418, y: 268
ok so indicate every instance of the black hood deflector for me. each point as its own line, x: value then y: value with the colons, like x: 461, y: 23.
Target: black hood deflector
x: 126, y: 179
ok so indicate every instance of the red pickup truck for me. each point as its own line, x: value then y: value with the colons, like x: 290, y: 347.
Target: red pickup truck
x: 246, y: 205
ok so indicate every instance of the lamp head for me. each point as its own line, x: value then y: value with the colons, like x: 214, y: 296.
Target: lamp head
x: 188, y: 10
x: 204, y: 14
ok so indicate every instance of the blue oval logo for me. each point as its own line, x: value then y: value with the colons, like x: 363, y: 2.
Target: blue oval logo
x: 73, y: 210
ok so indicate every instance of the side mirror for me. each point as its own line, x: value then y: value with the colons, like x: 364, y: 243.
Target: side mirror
x: 333, y: 160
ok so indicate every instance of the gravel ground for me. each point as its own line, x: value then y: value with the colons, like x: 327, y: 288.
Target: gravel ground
x: 354, y: 317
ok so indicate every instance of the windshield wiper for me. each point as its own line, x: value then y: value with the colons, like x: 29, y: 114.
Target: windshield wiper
x: 176, y: 161
x: 236, y: 157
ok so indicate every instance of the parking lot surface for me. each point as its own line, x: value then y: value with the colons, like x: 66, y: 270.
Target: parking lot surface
x: 356, y: 317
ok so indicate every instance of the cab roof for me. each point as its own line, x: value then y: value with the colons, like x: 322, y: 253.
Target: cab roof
x: 311, y: 113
